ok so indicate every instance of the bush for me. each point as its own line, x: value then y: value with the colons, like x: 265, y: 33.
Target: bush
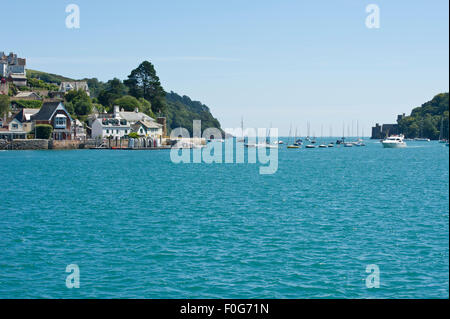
x: 133, y: 135
x: 43, y: 131
x: 29, y: 104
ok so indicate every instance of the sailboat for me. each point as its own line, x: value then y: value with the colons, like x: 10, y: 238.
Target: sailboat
x: 294, y: 145
x: 441, y: 133
x: 242, y: 139
x: 342, y: 140
x: 321, y: 137
x: 267, y: 144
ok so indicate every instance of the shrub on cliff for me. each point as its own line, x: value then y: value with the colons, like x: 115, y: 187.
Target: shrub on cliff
x: 43, y: 131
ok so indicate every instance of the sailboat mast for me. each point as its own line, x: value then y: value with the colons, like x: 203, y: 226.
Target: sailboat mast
x: 357, y: 129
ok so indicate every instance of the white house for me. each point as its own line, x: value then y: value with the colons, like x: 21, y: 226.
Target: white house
x: 110, y: 127
x: 14, y: 130
x: 13, y: 68
x: 148, y: 129
x: 65, y: 87
x: 122, y: 123
x: 80, y: 132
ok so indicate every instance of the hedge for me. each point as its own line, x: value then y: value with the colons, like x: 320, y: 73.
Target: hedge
x: 29, y: 104
x: 43, y: 131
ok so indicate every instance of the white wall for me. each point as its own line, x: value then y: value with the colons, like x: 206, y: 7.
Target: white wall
x: 98, y: 130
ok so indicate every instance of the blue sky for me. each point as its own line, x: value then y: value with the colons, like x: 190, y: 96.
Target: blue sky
x: 272, y: 62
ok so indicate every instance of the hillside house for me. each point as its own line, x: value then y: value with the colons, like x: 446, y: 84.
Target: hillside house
x: 65, y: 87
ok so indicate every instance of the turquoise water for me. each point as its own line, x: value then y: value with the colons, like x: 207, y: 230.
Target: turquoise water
x: 139, y: 226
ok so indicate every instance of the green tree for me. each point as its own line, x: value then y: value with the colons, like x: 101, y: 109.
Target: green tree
x: 78, y: 103
x: 128, y: 103
x: 4, y: 105
x: 146, y: 107
x: 99, y: 107
x: 95, y: 86
x: 144, y: 83
x: 114, y: 89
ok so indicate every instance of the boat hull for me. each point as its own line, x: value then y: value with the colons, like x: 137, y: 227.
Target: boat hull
x: 394, y: 145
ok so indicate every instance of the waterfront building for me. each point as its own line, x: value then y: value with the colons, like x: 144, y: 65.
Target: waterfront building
x: 79, y: 131
x: 120, y: 123
x: 110, y: 128
x: 24, y: 116
x: 12, y: 130
x: 146, y: 128
x: 55, y: 114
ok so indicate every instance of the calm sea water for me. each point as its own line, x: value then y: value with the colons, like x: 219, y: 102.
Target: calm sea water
x: 139, y: 226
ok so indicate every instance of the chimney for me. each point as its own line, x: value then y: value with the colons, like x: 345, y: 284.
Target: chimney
x: 163, y: 122
x: 116, y: 110
x: 136, y: 110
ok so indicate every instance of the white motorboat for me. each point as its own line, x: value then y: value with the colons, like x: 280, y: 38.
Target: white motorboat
x: 261, y: 145
x: 395, y: 141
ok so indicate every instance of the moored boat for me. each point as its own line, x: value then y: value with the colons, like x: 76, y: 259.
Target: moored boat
x: 395, y: 141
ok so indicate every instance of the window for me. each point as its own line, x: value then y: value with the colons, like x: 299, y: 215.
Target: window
x: 15, y: 126
x: 126, y: 131
x: 60, y: 122
x: 117, y: 131
x: 107, y: 131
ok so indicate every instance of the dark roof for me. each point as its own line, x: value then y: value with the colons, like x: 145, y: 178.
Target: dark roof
x: 46, y: 111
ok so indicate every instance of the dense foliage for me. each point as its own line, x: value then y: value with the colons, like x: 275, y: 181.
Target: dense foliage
x: 182, y: 111
x: 43, y: 131
x: 4, y: 105
x: 113, y: 90
x: 28, y: 104
x: 78, y: 103
x: 426, y: 121
x: 144, y: 83
x: 40, y: 84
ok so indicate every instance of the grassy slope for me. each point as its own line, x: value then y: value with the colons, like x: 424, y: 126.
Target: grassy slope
x: 47, y: 77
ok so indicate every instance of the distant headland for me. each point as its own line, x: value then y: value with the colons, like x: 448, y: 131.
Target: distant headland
x: 428, y: 121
